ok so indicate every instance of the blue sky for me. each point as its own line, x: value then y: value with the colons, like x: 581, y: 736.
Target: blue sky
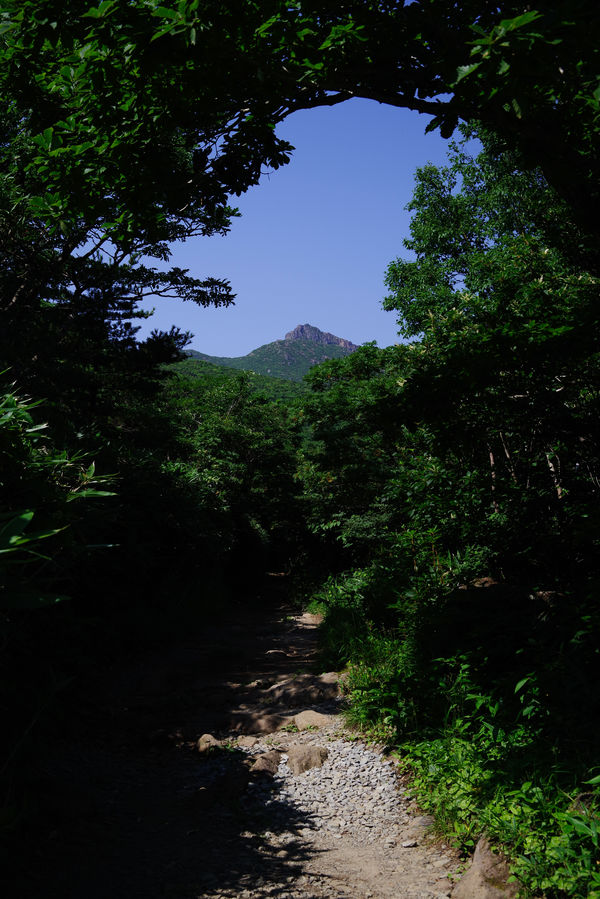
x: 316, y: 236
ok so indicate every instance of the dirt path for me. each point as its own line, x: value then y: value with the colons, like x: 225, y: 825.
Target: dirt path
x: 135, y: 810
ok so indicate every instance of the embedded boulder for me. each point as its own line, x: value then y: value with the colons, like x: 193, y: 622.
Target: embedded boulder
x: 267, y: 763
x: 246, y: 742
x: 302, y: 758
x: 487, y: 877
x: 208, y: 743
x: 303, y: 690
x: 256, y: 721
x: 309, y: 718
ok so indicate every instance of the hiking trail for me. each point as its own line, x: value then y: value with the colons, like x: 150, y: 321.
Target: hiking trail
x: 220, y: 766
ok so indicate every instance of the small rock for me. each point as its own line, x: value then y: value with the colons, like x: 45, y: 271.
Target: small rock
x: 310, y: 718
x: 302, y: 758
x: 247, y: 742
x: 424, y: 821
x: 409, y: 844
x: 487, y: 877
x: 208, y: 743
x: 329, y: 677
x: 267, y: 763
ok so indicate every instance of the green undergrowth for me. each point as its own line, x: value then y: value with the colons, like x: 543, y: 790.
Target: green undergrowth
x: 475, y: 783
x: 496, y: 742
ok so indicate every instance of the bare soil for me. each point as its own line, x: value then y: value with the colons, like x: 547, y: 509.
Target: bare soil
x: 129, y: 809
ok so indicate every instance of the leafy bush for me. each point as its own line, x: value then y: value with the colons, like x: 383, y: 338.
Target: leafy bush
x: 42, y: 490
x: 479, y: 778
x: 383, y: 684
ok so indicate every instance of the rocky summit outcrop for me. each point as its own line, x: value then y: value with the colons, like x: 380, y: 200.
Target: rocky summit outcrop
x: 309, y: 332
x: 289, y: 358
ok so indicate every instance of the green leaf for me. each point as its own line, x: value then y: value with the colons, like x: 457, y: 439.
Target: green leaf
x: 165, y: 13
x: 98, y: 12
x: 18, y: 541
x: 464, y: 71
x: 519, y: 21
x: 44, y: 139
x: 15, y: 527
x: 7, y: 26
x: 89, y: 491
x: 267, y: 26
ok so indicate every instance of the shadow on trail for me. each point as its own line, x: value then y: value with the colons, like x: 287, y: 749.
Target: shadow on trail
x: 128, y: 808
x: 183, y: 827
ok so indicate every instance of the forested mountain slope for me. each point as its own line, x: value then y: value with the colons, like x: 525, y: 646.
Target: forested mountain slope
x: 275, y: 389
x: 290, y: 358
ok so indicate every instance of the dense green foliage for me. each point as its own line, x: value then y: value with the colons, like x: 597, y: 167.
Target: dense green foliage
x: 449, y: 486
x: 43, y: 490
x: 457, y: 476
x: 193, y: 131
x: 238, y: 456
x: 269, y: 386
x: 201, y: 505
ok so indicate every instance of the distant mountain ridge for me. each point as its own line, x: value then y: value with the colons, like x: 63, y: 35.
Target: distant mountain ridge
x: 289, y: 358
x: 309, y: 332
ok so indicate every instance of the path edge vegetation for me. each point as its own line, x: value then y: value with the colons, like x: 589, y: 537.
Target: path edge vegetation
x: 449, y: 484
x: 464, y: 606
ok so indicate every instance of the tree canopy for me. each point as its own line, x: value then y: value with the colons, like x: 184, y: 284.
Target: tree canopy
x: 453, y: 483
x: 148, y: 116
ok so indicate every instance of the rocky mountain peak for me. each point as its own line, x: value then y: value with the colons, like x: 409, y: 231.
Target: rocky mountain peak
x: 309, y: 332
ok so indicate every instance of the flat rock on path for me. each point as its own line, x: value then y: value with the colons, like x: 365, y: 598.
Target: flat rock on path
x: 303, y: 758
x: 170, y: 786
